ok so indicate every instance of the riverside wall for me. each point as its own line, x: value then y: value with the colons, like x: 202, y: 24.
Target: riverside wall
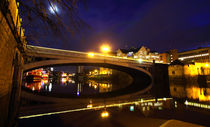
x: 11, y: 61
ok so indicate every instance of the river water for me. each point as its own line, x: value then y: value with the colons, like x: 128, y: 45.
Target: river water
x: 71, y: 84
x: 189, y: 100
x: 97, y: 80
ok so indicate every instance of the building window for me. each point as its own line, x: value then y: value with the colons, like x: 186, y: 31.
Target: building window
x: 161, y: 57
x: 173, y: 72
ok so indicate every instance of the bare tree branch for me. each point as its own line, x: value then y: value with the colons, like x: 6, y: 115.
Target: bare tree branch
x: 37, y: 11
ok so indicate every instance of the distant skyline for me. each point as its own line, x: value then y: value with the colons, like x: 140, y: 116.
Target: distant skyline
x: 159, y: 25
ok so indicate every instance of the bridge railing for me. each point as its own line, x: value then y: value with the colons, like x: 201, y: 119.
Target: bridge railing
x: 38, y: 51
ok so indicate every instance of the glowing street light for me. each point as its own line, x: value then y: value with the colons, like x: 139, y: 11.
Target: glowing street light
x: 105, y: 48
x: 140, y: 60
x: 105, y: 114
x: 91, y: 54
x: 90, y: 106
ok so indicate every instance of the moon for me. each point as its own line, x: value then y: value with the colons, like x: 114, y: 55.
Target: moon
x: 53, y: 9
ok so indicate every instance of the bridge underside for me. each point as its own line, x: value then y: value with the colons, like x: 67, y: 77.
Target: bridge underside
x: 37, y: 57
x: 142, y: 79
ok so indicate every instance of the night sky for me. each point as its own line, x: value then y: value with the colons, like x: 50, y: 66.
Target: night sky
x: 158, y: 24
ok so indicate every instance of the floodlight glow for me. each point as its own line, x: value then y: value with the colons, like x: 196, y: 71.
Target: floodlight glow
x: 91, y: 54
x: 140, y: 60
x: 105, y: 48
x: 89, y: 106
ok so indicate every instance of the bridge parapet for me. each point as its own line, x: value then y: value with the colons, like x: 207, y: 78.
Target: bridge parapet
x: 157, y: 72
x: 59, y: 54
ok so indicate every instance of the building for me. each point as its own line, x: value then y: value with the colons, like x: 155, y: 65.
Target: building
x: 105, y: 71
x: 101, y: 71
x: 165, y: 57
x: 143, y: 53
x: 126, y: 52
x: 196, y: 55
x: 190, y: 80
x: 190, y: 56
x: 173, y: 54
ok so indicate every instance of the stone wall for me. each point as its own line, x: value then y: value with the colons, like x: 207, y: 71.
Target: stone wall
x: 160, y: 80
x: 10, y: 63
x: 190, y: 81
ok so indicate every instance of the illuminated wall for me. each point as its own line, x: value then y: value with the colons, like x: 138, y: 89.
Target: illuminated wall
x: 190, y: 80
x: 105, y: 71
x: 121, y: 54
x: 197, y: 69
x: 143, y: 53
x: 165, y: 57
x: 101, y: 71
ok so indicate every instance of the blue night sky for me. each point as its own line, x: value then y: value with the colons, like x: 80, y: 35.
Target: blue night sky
x: 158, y: 24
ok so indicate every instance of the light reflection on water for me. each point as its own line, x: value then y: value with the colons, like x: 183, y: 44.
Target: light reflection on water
x: 68, y: 85
x: 202, y: 94
x: 190, y: 81
x: 191, y: 92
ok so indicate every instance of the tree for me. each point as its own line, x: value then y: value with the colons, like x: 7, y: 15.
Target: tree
x: 37, y: 11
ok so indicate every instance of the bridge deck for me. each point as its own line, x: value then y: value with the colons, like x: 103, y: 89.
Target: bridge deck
x: 36, y: 51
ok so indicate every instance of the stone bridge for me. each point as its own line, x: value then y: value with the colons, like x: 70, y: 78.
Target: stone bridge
x: 154, y: 74
x: 41, y: 56
x: 37, y: 57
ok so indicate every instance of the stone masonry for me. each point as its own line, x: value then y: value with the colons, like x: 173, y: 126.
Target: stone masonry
x: 10, y: 63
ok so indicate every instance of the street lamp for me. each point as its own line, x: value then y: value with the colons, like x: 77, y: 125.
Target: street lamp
x: 140, y: 60
x: 105, y: 48
x: 89, y: 105
x: 91, y: 54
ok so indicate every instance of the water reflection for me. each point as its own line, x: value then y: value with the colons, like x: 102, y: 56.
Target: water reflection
x: 39, y: 85
x: 191, y: 92
x: 101, y: 86
x: 45, y: 85
x: 92, y: 82
x: 190, y: 81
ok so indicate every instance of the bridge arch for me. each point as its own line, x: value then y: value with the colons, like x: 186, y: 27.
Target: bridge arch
x: 45, y: 57
x: 141, y: 76
x: 46, y: 63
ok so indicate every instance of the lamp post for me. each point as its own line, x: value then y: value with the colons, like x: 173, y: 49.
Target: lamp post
x: 90, y: 54
x: 105, y: 49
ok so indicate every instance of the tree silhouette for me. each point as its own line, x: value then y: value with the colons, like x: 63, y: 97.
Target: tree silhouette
x: 37, y: 15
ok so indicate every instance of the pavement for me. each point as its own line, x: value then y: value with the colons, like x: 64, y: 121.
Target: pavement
x: 92, y: 118
x: 177, y: 123
x: 62, y: 115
